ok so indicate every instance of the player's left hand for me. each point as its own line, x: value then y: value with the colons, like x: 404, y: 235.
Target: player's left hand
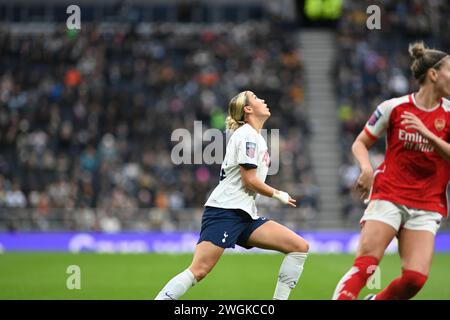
x: 284, y: 197
x: 411, y: 121
x: 292, y: 202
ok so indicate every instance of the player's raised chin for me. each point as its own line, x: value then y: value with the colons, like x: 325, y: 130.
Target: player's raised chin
x: 257, y: 106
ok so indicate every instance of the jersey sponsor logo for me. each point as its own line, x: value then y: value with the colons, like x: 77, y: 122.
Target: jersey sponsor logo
x: 415, y: 141
x: 250, y: 148
x: 439, y: 124
x: 374, y: 117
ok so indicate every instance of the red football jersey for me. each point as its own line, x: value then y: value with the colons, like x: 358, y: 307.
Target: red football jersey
x: 412, y: 174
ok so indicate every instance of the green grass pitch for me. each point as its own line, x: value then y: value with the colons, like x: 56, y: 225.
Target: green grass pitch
x: 141, y: 276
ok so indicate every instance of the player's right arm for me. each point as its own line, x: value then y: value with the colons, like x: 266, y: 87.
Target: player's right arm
x: 251, y: 181
x: 374, y: 128
x: 360, y: 150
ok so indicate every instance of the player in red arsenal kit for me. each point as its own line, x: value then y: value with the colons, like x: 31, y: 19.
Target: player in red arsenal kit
x: 407, y: 192
x: 413, y: 173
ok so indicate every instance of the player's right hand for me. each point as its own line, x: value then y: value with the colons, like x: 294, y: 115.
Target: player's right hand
x: 364, y: 183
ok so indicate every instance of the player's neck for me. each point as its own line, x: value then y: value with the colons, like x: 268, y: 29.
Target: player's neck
x: 427, y: 97
x: 256, y: 124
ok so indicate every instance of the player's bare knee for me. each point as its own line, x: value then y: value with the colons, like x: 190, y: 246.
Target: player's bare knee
x: 200, y: 275
x: 368, y: 248
x: 200, y: 271
x: 368, y: 252
x: 300, y: 245
x: 304, y: 246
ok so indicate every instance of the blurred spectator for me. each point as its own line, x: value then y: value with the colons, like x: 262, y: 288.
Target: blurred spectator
x: 15, y: 198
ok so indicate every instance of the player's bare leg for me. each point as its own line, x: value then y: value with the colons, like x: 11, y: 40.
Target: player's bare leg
x: 416, y: 252
x: 274, y: 236
x: 205, y: 258
x: 374, y: 239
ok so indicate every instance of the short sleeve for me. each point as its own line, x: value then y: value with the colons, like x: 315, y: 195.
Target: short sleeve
x: 247, y: 153
x: 446, y: 104
x: 379, y: 120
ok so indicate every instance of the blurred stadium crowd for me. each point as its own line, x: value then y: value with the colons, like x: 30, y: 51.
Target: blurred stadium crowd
x: 373, y: 66
x: 86, y: 120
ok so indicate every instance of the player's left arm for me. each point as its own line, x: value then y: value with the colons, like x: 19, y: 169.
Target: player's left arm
x: 413, y: 122
x: 251, y: 181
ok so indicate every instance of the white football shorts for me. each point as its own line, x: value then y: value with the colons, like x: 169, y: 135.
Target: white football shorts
x: 399, y: 216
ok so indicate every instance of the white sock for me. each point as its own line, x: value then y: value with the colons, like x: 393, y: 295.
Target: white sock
x: 177, y: 286
x: 289, y: 273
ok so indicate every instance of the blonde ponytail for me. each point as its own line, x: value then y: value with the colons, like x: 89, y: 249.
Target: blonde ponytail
x: 236, y: 112
x: 232, y: 124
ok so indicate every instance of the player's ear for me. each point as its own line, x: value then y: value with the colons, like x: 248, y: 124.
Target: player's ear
x: 248, y: 109
x: 433, y: 74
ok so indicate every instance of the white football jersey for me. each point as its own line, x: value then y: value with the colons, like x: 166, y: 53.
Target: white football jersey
x: 247, y: 148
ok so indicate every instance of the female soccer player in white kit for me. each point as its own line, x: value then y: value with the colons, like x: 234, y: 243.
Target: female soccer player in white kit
x: 407, y: 192
x: 230, y: 216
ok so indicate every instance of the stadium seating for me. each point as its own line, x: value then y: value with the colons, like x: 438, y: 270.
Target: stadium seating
x: 86, y: 120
